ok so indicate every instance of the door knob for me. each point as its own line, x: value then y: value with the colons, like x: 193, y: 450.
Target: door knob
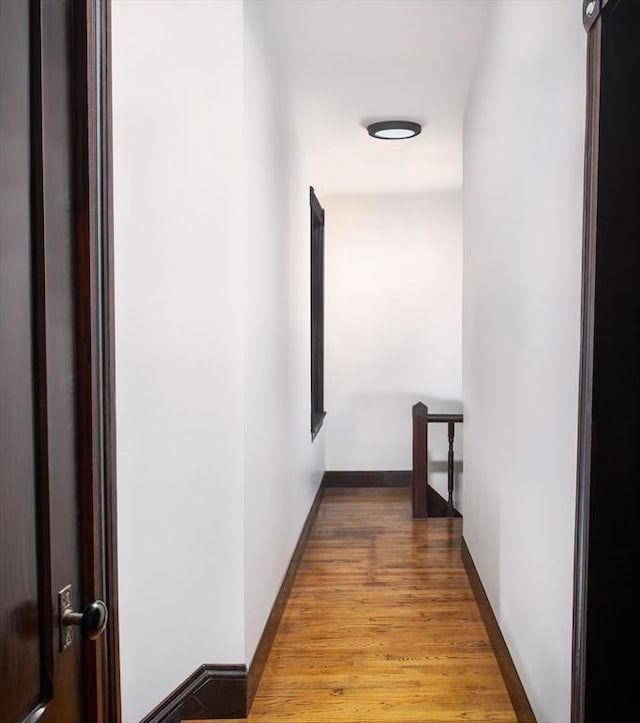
x: 92, y: 620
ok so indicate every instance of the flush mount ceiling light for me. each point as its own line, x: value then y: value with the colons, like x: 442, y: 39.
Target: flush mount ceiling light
x: 394, y: 130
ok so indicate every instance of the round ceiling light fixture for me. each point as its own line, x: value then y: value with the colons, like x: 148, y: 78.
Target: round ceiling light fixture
x: 394, y: 130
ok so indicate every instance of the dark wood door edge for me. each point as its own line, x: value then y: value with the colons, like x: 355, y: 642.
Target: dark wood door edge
x: 605, y: 619
x: 337, y: 478
x: 107, y: 306
x: 583, y: 492
x: 227, y: 691
x: 95, y: 343
x: 512, y: 681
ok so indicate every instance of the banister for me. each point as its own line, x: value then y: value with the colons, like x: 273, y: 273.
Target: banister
x: 421, y: 418
x: 455, y: 418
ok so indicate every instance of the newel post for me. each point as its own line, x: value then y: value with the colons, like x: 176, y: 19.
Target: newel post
x: 420, y: 418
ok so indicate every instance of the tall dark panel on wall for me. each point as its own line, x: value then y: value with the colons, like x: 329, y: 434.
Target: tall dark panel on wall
x: 608, y: 525
x: 317, y: 313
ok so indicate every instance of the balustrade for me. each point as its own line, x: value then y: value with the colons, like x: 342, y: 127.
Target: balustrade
x: 421, y: 419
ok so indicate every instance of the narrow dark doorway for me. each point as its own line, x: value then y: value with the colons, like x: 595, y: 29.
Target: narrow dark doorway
x: 608, y: 527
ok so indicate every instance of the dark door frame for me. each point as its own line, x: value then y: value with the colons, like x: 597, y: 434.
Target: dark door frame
x: 606, y: 552
x: 96, y: 367
x: 95, y: 348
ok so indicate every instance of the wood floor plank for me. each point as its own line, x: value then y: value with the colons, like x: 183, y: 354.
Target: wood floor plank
x: 381, y: 623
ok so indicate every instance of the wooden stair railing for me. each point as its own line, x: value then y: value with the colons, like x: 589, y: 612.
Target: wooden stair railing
x: 419, y: 483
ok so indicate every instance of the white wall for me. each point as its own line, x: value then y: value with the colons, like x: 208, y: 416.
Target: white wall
x: 393, y: 326
x: 523, y: 159
x: 216, y: 470
x: 178, y: 316
x: 283, y: 468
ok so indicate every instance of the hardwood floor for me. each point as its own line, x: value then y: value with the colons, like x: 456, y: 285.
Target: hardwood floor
x: 381, y: 624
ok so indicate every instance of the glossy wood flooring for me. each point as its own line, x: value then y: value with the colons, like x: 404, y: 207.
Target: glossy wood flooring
x: 381, y: 624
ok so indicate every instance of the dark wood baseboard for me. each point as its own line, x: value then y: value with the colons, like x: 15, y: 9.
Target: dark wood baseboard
x: 437, y: 505
x: 512, y: 681
x: 211, y: 691
x: 273, y: 621
x: 400, y: 478
x: 227, y: 691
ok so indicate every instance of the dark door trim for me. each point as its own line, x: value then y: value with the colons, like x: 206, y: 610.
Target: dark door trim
x: 594, y: 30
x: 606, y: 549
x: 95, y: 349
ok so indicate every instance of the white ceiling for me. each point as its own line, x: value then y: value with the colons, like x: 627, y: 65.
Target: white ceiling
x: 344, y: 63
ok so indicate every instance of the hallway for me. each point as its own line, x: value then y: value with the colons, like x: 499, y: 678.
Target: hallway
x: 437, y: 269
x: 381, y: 623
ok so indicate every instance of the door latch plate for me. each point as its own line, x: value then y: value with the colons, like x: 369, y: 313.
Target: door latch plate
x: 64, y: 606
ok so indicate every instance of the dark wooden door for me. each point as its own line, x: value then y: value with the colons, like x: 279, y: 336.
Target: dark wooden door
x: 605, y: 675
x: 50, y: 517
